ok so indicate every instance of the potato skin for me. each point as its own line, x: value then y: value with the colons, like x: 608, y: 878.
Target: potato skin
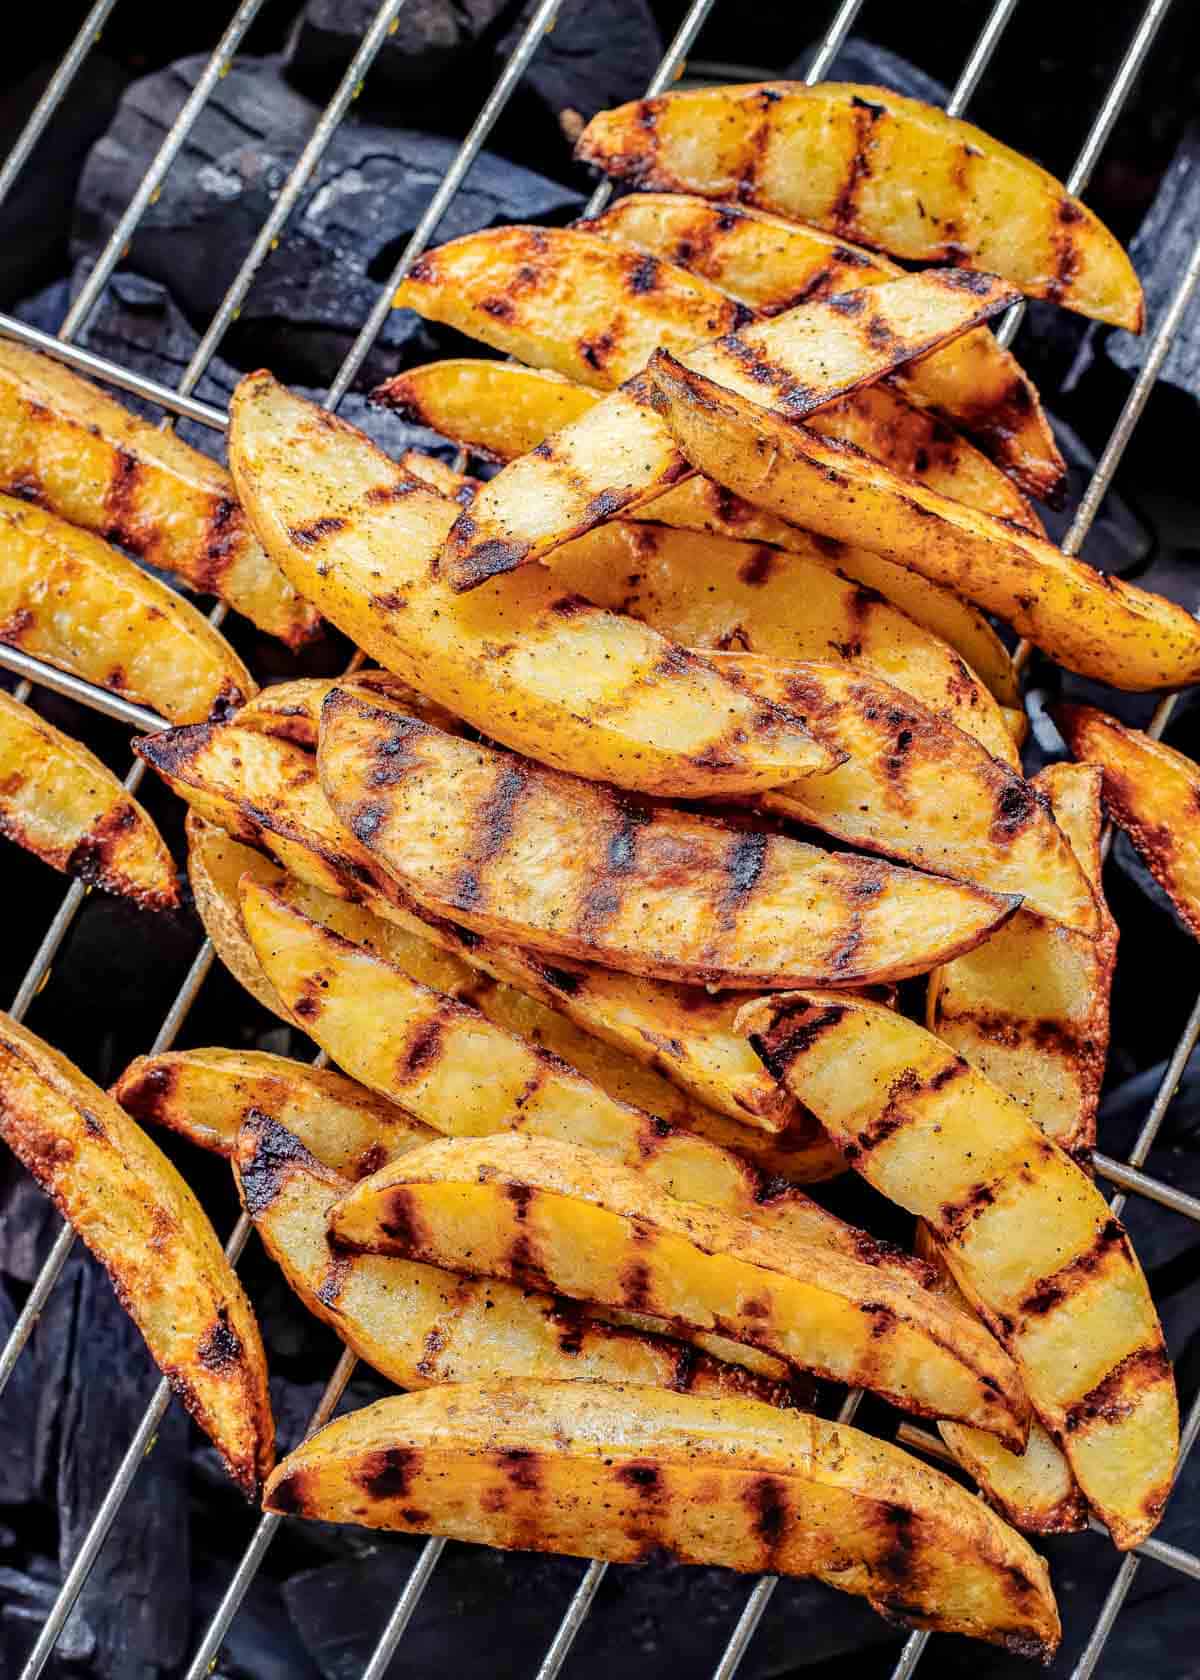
x: 602, y: 1470
x: 142, y: 1222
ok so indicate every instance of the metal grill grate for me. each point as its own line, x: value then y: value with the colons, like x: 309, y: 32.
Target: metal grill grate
x: 1126, y: 1175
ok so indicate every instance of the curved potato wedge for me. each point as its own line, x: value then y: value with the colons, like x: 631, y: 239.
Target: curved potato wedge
x: 78, y: 452
x: 1033, y: 1490
x: 549, y: 675
x: 1091, y: 623
x: 1029, y: 1239
x: 773, y: 264
x: 207, y: 1095
x: 612, y: 1472
x: 216, y: 862
x: 616, y: 455
x: 420, y: 1325
x: 567, y: 300
x: 292, y: 710
x: 710, y: 592
x: 563, y: 866
x: 69, y: 598
x: 59, y: 802
x: 1152, y: 792
x: 845, y: 157
x: 465, y: 1074
x: 140, y: 1220
x: 913, y: 787
x: 555, y: 1216
x: 498, y: 410
x: 1030, y: 1008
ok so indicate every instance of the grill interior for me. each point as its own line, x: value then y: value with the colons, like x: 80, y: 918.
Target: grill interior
x: 111, y: 958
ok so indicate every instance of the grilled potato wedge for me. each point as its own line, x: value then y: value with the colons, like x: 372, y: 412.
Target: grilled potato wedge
x: 563, y: 866
x: 1033, y: 1490
x: 1152, y: 792
x: 914, y: 787
x: 570, y: 301
x: 292, y: 710
x: 468, y: 407
x: 773, y: 264
x: 466, y: 1074
x: 69, y: 598
x: 206, y: 1096
x: 59, y: 802
x: 555, y: 1216
x: 600, y: 1470
x: 549, y: 675
x: 619, y: 454
x: 82, y: 455
x: 419, y: 1325
x: 845, y: 157
x: 1091, y: 623
x: 140, y: 1220
x: 1030, y: 1008
x: 216, y: 863
x: 1030, y: 1241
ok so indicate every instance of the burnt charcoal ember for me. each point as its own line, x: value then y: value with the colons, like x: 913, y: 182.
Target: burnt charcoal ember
x: 137, y: 1598
x: 431, y: 40
x: 1161, y: 250
x: 351, y: 223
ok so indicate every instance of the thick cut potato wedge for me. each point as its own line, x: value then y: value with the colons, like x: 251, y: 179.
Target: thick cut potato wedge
x: 497, y: 410
x: 292, y: 710
x: 556, y: 1216
x: 140, y: 1220
x: 216, y: 863
x: 74, y: 449
x: 598, y: 1470
x: 1034, y: 1490
x: 570, y: 301
x: 1030, y: 1008
x: 916, y: 788
x: 545, y: 673
x: 206, y: 1095
x: 845, y: 157
x: 562, y: 865
x: 464, y: 1074
x: 59, y: 802
x: 773, y: 264
x: 69, y: 598
x: 1030, y: 1241
x: 1091, y: 623
x: 616, y: 456
x: 1152, y: 792
x: 420, y: 1325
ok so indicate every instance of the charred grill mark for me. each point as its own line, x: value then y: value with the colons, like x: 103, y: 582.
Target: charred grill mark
x: 522, y: 1467
x: 401, y: 1221
x: 849, y: 303
x: 644, y: 276
x: 93, y: 854
x: 561, y: 979
x: 843, y: 213
x: 221, y: 1349
x: 486, y: 559
x: 380, y: 495
x: 120, y: 500
x: 499, y: 308
x: 765, y: 1498
x: 602, y: 898
x: 423, y: 1045
x: 643, y: 1477
x: 570, y: 1323
x: 393, y: 756
x: 605, y: 504
x: 896, y: 1559
x: 148, y: 1096
x: 15, y: 626
x: 315, y: 532
x: 276, y: 1151
x: 1015, y: 808
x: 597, y: 352
x: 684, y: 1374
x: 388, y: 1473
x: 337, y: 1274
x: 435, y: 1342
x: 223, y: 537
x: 637, y: 1289
x: 792, y: 1034
x: 1066, y: 248
x: 367, y: 820
x: 788, y: 393
x: 1050, y: 1292
x: 743, y: 866
x: 758, y: 565
x: 1116, y: 1394
x: 292, y: 1496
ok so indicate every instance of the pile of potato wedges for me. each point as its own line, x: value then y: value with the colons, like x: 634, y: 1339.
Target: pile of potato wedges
x: 687, y: 735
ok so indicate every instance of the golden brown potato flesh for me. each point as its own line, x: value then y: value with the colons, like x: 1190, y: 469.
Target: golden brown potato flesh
x: 216, y: 863
x: 509, y: 849
x: 1029, y: 1239
x: 59, y: 802
x: 292, y: 710
x: 141, y: 1221
x: 845, y: 158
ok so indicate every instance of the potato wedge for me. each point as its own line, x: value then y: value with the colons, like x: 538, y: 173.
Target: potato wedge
x: 1030, y: 1008
x: 292, y: 710
x: 78, y: 452
x: 1091, y: 623
x: 207, y: 1095
x: 845, y: 157
x: 548, y: 675
x: 1033, y: 1490
x: 567, y: 300
x: 1152, y: 792
x: 619, y: 454
x: 498, y: 410
x: 563, y: 866
x: 1030, y: 1241
x: 913, y: 787
x: 216, y: 862
x: 466, y: 1075
x: 419, y: 1325
x: 601, y: 1470
x: 556, y: 1216
x: 59, y: 802
x: 773, y: 264
x: 68, y: 597
x: 144, y: 1225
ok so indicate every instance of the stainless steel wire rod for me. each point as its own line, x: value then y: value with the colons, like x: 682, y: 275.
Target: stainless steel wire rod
x: 53, y: 94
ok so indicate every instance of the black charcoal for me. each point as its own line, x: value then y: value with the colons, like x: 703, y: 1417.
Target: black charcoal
x: 414, y: 66
x: 1161, y: 250
x: 859, y: 60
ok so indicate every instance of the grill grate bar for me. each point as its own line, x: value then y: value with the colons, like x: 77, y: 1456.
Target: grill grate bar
x: 56, y: 87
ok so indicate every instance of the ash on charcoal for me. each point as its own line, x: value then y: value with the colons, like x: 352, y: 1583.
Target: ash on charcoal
x: 349, y: 226
x: 1161, y: 250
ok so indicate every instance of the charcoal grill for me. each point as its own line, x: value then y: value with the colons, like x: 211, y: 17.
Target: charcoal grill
x: 1125, y: 1175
